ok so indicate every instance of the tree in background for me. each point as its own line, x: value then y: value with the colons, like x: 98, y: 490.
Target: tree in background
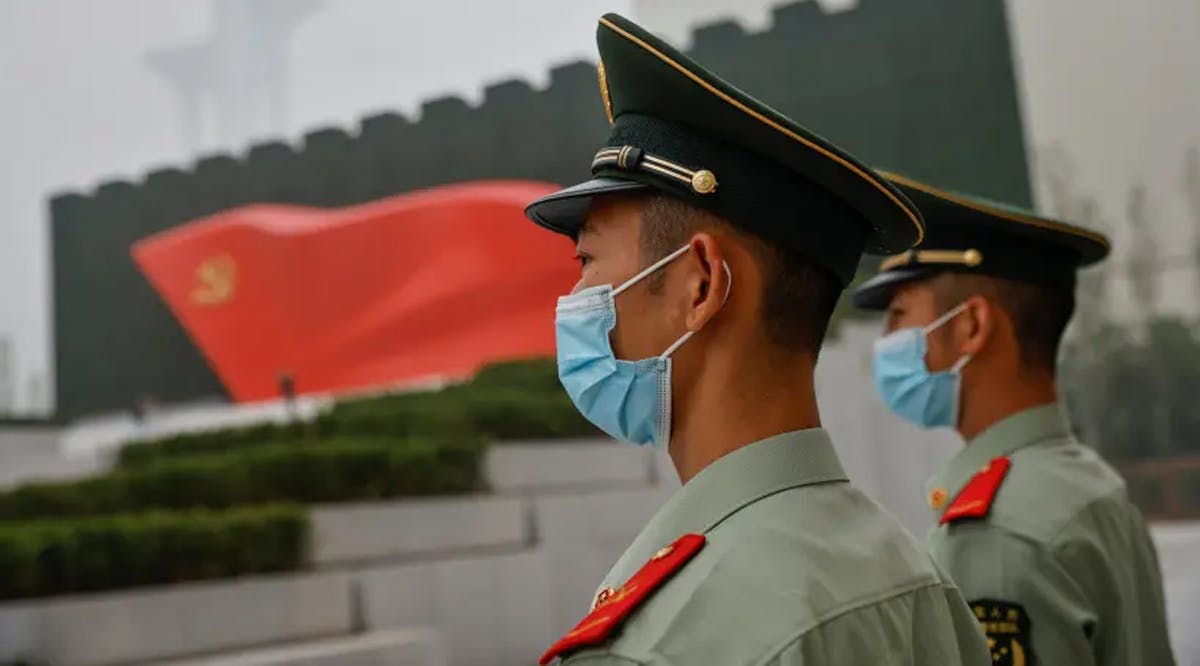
x: 1131, y: 387
x: 1191, y: 194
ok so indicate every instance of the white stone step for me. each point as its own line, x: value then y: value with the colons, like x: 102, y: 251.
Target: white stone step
x: 166, y: 622
x: 567, y: 465
x: 400, y: 647
x: 358, y: 533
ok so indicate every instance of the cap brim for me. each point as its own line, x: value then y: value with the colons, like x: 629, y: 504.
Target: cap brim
x: 975, y: 214
x: 876, y: 293
x: 565, y: 210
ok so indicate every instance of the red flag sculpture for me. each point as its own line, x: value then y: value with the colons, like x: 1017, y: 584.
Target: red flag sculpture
x: 433, y: 283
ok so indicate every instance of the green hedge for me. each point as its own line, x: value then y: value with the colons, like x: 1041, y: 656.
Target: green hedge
x: 329, y: 471
x: 491, y: 414
x: 514, y: 400
x: 538, y: 374
x: 210, y: 441
x: 98, y: 553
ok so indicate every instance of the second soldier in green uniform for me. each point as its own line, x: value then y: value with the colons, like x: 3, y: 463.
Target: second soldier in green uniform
x: 1035, y: 528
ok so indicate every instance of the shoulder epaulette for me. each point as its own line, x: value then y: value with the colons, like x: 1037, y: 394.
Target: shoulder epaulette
x: 975, y: 499
x: 612, y: 607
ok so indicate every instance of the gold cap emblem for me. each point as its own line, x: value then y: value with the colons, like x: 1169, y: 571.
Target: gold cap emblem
x: 663, y: 552
x: 703, y: 181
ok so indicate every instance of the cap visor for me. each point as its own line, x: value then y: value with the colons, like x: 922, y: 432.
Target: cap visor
x: 564, y: 210
x: 876, y: 293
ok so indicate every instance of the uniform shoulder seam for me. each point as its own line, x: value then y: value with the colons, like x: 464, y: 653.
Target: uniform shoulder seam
x: 850, y: 607
x: 1057, y: 540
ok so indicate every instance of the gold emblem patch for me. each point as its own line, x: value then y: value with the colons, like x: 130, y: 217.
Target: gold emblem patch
x: 937, y: 498
x: 1008, y: 631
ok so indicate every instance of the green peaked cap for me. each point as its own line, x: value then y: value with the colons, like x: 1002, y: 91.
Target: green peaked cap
x: 681, y: 130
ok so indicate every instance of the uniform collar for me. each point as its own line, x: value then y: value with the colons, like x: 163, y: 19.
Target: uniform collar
x: 732, y: 482
x: 1002, y: 438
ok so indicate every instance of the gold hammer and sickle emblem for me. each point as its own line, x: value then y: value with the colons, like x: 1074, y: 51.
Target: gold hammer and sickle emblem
x: 216, y: 280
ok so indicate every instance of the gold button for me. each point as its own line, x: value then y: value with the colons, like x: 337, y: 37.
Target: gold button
x: 937, y: 498
x: 703, y: 181
x: 663, y: 553
x: 602, y: 596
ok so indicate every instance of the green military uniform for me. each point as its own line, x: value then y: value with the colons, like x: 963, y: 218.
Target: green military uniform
x: 1062, y: 567
x: 799, y: 568
x: 1035, y: 528
x: 767, y: 556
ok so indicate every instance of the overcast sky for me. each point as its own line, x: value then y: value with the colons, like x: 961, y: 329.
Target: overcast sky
x: 1115, y: 83
x: 81, y: 105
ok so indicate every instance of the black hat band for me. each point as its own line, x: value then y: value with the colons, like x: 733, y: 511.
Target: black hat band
x: 632, y: 158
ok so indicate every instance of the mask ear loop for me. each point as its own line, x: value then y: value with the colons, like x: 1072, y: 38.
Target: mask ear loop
x: 940, y: 321
x: 688, y: 336
x: 650, y: 269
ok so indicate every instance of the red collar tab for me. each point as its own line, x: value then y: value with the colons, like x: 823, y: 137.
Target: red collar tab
x: 612, y: 609
x: 975, y: 499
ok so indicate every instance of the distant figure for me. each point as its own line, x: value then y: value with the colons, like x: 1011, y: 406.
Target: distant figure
x: 1035, y: 528
x: 140, y: 411
x: 714, y: 241
x: 287, y: 389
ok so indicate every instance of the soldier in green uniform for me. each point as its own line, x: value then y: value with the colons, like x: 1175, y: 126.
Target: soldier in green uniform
x: 1035, y: 528
x: 714, y: 239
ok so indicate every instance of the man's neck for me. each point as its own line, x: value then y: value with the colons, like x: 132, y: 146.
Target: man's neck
x: 723, y: 416
x: 992, y: 402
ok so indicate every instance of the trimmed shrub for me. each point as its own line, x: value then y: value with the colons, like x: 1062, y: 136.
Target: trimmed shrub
x: 513, y: 415
x: 461, y: 412
x: 99, y: 553
x: 442, y: 415
x: 210, y: 441
x: 331, y: 471
x: 537, y: 375
x: 513, y: 400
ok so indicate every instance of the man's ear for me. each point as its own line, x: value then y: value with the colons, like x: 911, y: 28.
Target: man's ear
x: 976, y: 324
x: 707, y: 280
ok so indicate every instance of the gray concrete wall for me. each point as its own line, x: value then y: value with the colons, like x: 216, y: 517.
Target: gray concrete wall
x: 546, y: 466
x: 133, y: 626
x: 491, y: 611
x: 390, y: 530
x: 401, y: 647
x: 1179, y: 555
x: 32, y: 452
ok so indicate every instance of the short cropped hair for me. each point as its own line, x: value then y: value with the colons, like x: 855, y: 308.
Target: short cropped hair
x: 798, y: 296
x: 1039, y: 313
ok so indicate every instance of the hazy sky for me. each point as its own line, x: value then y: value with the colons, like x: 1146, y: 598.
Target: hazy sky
x: 80, y: 104
x: 1115, y: 84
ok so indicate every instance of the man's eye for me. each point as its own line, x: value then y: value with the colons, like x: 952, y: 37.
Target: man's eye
x: 583, y: 259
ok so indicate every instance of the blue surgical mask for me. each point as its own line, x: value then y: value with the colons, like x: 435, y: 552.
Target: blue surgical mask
x: 929, y: 399
x: 629, y: 400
